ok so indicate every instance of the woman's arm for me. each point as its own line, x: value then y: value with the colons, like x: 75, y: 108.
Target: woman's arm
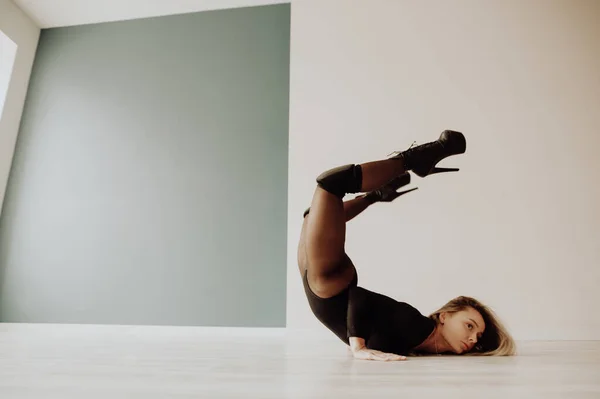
x: 360, y: 323
x: 357, y: 344
x: 359, y: 320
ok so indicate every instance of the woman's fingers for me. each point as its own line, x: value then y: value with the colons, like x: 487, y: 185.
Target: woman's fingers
x: 394, y: 357
x: 378, y: 355
x: 371, y: 354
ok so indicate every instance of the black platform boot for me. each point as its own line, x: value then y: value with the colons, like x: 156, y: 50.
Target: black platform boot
x: 422, y: 159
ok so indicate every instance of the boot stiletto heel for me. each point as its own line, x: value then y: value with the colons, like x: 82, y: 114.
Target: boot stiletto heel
x: 389, y: 192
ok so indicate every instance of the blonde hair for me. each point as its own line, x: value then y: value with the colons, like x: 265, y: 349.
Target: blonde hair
x: 495, y: 340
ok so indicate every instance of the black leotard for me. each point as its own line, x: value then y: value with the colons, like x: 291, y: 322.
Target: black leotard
x: 384, y: 323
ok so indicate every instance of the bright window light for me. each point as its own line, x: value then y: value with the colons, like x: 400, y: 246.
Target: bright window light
x: 8, y: 52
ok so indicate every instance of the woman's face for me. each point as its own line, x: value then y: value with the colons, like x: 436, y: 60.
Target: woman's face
x: 462, y: 329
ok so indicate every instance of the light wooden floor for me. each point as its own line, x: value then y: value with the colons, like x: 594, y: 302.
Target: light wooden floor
x: 53, y: 361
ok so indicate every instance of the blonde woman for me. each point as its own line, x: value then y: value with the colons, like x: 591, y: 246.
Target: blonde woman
x: 375, y: 326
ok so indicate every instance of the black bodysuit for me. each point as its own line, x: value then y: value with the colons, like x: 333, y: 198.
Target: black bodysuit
x: 384, y: 323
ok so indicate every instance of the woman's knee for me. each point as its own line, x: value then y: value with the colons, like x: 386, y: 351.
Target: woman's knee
x: 346, y: 179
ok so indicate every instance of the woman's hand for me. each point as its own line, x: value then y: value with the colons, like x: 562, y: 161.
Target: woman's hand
x: 371, y: 354
x: 360, y: 351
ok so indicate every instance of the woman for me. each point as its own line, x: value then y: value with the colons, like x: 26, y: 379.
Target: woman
x: 375, y: 326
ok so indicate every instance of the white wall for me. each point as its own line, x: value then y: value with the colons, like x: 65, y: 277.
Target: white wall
x: 519, y: 226
x: 25, y: 34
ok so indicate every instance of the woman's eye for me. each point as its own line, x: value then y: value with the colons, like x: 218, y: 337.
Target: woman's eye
x: 470, y: 326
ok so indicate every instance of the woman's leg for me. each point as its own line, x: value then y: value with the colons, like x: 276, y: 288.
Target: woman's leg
x: 355, y: 207
x: 352, y: 208
x: 329, y: 268
x: 386, y: 193
x: 322, y: 246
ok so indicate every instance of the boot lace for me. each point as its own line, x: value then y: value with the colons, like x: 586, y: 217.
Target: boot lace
x: 393, y: 154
